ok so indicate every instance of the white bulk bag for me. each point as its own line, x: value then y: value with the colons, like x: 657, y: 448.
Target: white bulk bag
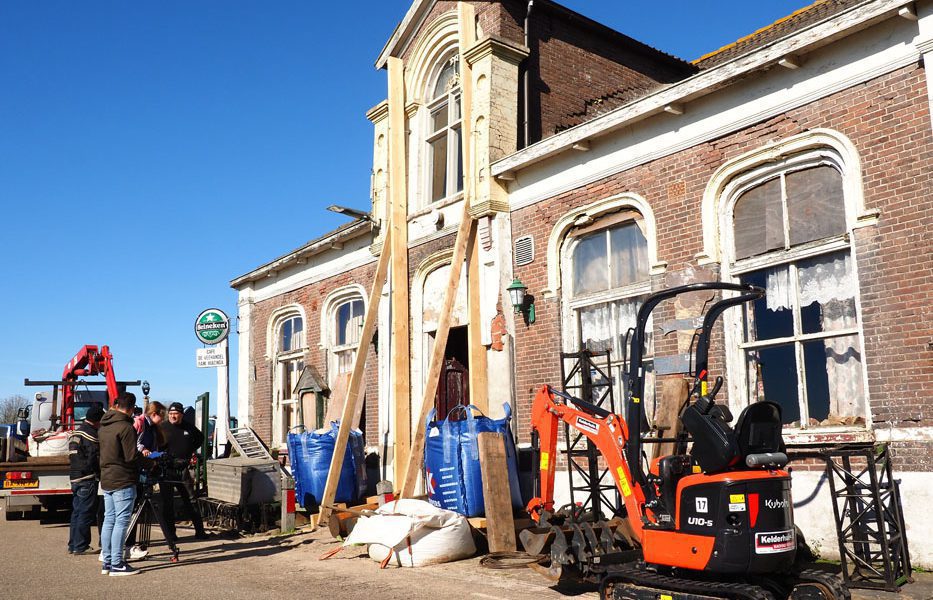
x: 414, y: 533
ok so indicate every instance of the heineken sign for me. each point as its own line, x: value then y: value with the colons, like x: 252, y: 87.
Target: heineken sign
x: 212, y: 326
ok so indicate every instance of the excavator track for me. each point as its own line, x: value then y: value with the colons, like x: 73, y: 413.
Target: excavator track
x: 633, y: 583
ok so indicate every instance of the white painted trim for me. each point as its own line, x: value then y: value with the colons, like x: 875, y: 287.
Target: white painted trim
x: 275, y: 319
x: 307, y: 275
x: 594, y: 211
x: 244, y: 355
x: 727, y: 111
x: 705, y: 82
x: 438, y: 41
x: 719, y: 198
x: 728, y: 176
x: 331, y: 302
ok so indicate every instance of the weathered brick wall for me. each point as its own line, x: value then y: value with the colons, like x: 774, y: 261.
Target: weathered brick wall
x: 311, y: 298
x: 888, y: 121
x: 573, y: 61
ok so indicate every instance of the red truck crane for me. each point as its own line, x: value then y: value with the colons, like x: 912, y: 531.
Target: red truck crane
x: 42, y: 478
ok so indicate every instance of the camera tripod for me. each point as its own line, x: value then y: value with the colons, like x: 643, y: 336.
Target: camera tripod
x: 146, y: 510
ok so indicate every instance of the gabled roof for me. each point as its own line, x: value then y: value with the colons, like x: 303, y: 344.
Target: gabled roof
x: 806, y: 16
x: 351, y: 230
x: 416, y: 12
x: 761, y: 51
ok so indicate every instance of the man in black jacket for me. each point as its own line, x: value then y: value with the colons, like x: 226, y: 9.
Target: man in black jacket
x: 84, y: 454
x: 181, y: 441
x: 120, y: 462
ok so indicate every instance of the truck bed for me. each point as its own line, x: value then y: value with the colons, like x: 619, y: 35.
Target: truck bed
x: 37, y: 463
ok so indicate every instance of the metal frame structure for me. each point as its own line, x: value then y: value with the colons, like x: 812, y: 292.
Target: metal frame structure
x: 578, y: 381
x: 869, y: 519
x: 870, y: 525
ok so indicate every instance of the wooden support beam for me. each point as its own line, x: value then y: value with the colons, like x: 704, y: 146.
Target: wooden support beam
x: 479, y: 386
x: 466, y: 237
x: 356, y: 380
x: 500, y: 526
x: 400, y: 355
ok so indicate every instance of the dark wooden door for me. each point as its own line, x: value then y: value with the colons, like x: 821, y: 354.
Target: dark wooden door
x: 452, y: 389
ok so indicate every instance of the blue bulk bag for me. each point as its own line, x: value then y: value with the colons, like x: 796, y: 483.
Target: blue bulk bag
x: 451, y: 461
x: 310, y: 454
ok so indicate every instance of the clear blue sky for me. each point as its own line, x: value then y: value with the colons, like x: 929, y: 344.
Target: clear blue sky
x: 152, y: 151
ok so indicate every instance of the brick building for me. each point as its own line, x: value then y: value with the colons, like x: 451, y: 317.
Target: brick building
x: 797, y: 159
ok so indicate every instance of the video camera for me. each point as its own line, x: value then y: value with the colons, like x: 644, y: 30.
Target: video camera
x: 165, y: 468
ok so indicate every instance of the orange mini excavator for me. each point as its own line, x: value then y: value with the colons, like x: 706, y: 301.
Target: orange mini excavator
x: 712, y: 522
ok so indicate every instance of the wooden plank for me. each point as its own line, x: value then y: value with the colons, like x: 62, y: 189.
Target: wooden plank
x: 400, y: 355
x: 479, y: 384
x: 673, y: 393
x: 500, y: 526
x: 338, y: 398
x: 356, y: 379
x: 466, y: 235
x: 463, y: 247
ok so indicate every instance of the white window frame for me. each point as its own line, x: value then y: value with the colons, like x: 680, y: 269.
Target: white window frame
x: 572, y: 305
x: 328, y: 342
x: 284, y: 407
x: 454, y: 142
x: 777, y: 165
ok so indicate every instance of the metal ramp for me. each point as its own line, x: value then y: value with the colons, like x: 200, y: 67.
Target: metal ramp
x: 247, y: 443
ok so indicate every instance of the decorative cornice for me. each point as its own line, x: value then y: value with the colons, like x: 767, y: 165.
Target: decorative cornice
x: 498, y: 47
x: 924, y: 46
x: 411, y: 109
x: 488, y: 208
x: 378, y: 112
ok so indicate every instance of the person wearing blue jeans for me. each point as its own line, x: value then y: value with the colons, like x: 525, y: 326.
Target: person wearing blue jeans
x: 119, y: 473
x: 84, y: 458
x: 118, y: 509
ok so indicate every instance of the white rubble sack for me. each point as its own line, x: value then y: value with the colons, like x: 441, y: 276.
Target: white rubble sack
x: 414, y: 533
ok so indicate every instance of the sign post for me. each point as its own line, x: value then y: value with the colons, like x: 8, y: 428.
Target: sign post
x: 212, y: 328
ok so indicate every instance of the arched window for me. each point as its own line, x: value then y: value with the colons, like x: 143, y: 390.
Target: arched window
x: 786, y: 230
x: 347, y: 323
x: 444, y: 147
x: 288, y: 363
x: 607, y: 278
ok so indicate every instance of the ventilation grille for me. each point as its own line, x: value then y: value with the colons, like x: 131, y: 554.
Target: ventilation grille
x: 524, y: 250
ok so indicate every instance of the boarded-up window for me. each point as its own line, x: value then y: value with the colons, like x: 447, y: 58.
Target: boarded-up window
x: 791, y: 209
x: 759, y: 220
x: 815, y: 206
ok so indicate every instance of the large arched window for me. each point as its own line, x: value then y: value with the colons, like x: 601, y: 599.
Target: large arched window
x: 288, y: 363
x: 786, y: 229
x: 606, y: 278
x: 347, y: 326
x: 444, y: 146
x: 342, y: 315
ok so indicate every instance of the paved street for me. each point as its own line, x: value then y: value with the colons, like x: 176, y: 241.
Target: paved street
x: 34, y: 562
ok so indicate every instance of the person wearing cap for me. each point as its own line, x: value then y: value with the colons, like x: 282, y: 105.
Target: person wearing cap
x: 181, y: 441
x: 84, y: 456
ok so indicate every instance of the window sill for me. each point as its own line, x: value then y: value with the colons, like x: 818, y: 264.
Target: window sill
x: 436, y: 205
x: 827, y: 435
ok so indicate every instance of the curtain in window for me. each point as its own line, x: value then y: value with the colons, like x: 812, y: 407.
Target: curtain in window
x: 828, y: 284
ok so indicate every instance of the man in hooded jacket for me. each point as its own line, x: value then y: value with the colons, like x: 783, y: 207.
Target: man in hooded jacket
x: 120, y: 462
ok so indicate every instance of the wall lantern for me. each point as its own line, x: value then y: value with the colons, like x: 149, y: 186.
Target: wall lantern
x: 517, y: 294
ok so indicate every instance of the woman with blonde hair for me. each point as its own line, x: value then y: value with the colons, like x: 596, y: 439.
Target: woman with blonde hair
x: 149, y: 437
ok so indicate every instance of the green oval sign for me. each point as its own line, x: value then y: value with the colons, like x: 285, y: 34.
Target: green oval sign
x: 211, y: 326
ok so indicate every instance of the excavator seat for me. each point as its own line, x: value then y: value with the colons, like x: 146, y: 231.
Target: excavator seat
x: 718, y: 447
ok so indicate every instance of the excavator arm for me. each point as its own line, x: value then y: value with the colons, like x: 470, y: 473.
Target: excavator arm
x: 606, y: 430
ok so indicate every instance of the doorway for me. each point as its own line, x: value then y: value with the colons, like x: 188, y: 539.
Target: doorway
x: 454, y: 386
